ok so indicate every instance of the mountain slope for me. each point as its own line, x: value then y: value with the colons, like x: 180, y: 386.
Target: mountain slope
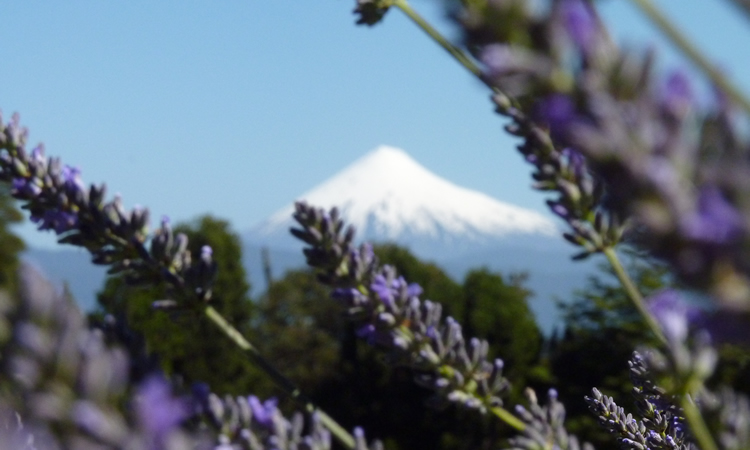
x: 388, y: 196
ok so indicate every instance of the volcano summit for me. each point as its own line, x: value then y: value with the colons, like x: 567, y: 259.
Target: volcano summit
x: 388, y: 196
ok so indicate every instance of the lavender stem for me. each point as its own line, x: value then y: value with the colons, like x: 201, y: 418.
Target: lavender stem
x: 456, y: 52
x: 505, y: 415
x: 346, y: 439
x: 633, y: 293
x: 698, y: 426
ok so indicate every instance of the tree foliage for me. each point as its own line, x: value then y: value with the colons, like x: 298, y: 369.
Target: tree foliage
x: 304, y: 334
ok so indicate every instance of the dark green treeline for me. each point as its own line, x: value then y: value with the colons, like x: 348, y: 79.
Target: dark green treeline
x: 297, y: 326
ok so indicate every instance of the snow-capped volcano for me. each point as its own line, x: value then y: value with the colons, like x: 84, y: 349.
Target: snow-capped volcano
x: 387, y: 195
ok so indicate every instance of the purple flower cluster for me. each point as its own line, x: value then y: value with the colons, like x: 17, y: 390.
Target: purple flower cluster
x: 247, y: 423
x: 544, y: 426
x: 388, y: 312
x: 64, y: 386
x: 158, y: 412
x: 662, y: 423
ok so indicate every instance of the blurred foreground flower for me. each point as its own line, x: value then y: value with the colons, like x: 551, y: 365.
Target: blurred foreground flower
x: 64, y: 387
x: 678, y: 172
x: 68, y: 388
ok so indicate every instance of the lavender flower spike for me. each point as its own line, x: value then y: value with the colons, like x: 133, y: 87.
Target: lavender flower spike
x: 671, y: 313
x: 158, y: 412
x: 247, y: 423
x: 545, y: 426
x: 58, y: 200
x: 659, y: 424
x: 388, y: 312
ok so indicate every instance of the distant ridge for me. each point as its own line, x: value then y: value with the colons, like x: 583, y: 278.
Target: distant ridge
x: 388, y: 196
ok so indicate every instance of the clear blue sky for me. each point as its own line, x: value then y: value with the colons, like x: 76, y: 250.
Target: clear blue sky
x: 235, y: 107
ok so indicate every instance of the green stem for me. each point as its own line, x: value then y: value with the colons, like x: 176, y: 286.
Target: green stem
x: 505, y: 415
x: 457, y: 53
x: 678, y: 39
x: 697, y: 424
x: 284, y: 383
x: 633, y: 293
x: 454, y: 51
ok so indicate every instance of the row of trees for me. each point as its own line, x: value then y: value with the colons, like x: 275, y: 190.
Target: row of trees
x: 301, y: 331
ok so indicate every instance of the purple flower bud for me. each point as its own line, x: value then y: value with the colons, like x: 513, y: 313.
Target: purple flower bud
x: 200, y: 392
x: 677, y: 96
x: 669, y: 309
x: 24, y: 187
x: 414, y: 290
x: 350, y: 296
x: 556, y: 112
x: 497, y: 59
x: 206, y: 254
x: 367, y: 332
x: 382, y: 290
x: 559, y: 209
x: 37, y: 154
x: 263, y: 413
x: 158, y: 412
x: 366, y: 251
x: 72, y: 177
x: 59, y: 221
x: 579, y: 23
x: 576, y: 160
x: 715, y: 219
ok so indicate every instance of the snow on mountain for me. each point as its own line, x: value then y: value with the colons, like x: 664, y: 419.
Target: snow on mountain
x: 388, y: 196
